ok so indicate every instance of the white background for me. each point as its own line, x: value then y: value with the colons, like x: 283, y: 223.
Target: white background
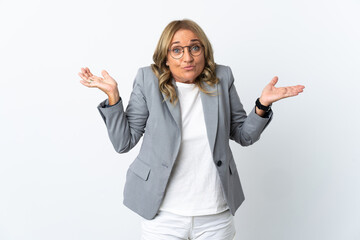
x: 60, y: 178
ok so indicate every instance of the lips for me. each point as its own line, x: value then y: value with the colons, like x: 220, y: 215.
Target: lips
x: 189, y: 67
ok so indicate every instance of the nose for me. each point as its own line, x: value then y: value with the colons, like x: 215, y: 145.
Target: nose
x: 187, y: 56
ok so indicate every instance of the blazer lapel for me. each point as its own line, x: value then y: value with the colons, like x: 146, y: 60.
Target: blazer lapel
x: 174, y: 110
x: 210, y: 105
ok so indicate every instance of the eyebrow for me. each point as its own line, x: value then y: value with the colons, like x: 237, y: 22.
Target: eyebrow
x: 192, y: 40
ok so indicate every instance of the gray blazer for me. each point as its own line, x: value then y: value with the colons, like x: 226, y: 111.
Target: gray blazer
x: 160, y: 123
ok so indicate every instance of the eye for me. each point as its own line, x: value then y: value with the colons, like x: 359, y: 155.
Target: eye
x: 176, y: 50
x: 195, y: 48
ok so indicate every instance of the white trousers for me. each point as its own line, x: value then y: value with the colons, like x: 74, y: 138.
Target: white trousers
x: 169, y: 226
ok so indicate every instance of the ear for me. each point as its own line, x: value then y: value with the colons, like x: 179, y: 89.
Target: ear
x: 167, y: 63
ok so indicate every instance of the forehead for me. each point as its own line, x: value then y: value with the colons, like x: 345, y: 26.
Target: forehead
x: 184, y: 36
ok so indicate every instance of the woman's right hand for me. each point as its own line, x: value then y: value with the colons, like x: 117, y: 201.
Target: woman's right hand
x: 106, y: 84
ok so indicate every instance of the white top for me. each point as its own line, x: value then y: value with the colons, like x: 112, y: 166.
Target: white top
x: 194, y: 186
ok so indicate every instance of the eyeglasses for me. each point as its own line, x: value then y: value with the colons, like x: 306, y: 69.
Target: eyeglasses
x: 177, y: 51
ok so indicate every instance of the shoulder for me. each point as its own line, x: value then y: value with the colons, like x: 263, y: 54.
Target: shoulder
x: 222, y: 69
x: 224, y: 74
x: 147, y: 71
x: 146, y: 83
x: 145, y: 76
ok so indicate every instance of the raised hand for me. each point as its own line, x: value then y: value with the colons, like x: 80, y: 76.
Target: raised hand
x: 106, y: 84
x: 271, y: 94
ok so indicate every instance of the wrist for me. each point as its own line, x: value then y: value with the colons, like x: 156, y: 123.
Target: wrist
x: 264, y: 103
x: 262, y: 106
x: 113, y: 98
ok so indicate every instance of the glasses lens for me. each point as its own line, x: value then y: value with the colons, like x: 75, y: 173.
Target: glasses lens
x: 195, y: 50
x: 176, y: 52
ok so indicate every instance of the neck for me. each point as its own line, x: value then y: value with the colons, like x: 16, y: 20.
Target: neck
x: 185, y: 81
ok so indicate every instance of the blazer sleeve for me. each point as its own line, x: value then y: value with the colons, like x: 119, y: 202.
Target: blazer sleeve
x: 244, y: 129
x: 125, y: 128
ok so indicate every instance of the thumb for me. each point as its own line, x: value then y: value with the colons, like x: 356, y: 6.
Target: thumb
x: 105, y: 74
x: 274, y: 80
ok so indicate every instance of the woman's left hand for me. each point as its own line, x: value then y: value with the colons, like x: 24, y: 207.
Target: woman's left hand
x: 271, y: 94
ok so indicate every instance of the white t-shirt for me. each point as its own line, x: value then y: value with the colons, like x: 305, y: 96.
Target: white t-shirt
x: 194, y: 186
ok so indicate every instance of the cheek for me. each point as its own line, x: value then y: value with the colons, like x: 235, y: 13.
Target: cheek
x: 173, y: 65
x: 201, y: 64
x: 200, y: 60
x: 170, y: 61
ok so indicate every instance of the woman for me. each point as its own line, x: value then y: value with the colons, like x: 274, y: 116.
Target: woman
x: 184, y: 182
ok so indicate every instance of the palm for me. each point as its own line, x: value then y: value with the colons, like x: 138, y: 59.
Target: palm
x: 106, y: 84
x: 272, y: 94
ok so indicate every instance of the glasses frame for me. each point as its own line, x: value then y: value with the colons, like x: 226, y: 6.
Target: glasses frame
x: 189, y: 49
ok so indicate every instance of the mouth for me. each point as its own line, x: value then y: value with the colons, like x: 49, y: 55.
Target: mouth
x: 189, y: 67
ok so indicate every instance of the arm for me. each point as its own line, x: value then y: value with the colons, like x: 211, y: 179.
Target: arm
x: 244, y: 129
x: 271, y: 94
x: 247, y: 130
x: 125, y: 128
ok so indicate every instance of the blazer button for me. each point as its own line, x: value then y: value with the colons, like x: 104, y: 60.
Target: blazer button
x: 219, y: 163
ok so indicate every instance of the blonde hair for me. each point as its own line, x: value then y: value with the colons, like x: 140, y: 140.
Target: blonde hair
x: 162, y: 71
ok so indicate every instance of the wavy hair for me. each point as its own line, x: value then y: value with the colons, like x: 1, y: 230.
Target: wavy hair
x: 162, y: 71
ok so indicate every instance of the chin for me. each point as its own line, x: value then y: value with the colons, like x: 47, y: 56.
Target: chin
x: 189, y: 76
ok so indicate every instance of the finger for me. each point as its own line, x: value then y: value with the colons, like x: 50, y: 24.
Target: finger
x: 87, y: 83
x: 293, y: 91
x: 84, y: 72
x: 88, y: 71
x: 83, y: 76
x: 298, y: 88
x: 95, y: 78
x: 105, y: 74
x: 274, y: 81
